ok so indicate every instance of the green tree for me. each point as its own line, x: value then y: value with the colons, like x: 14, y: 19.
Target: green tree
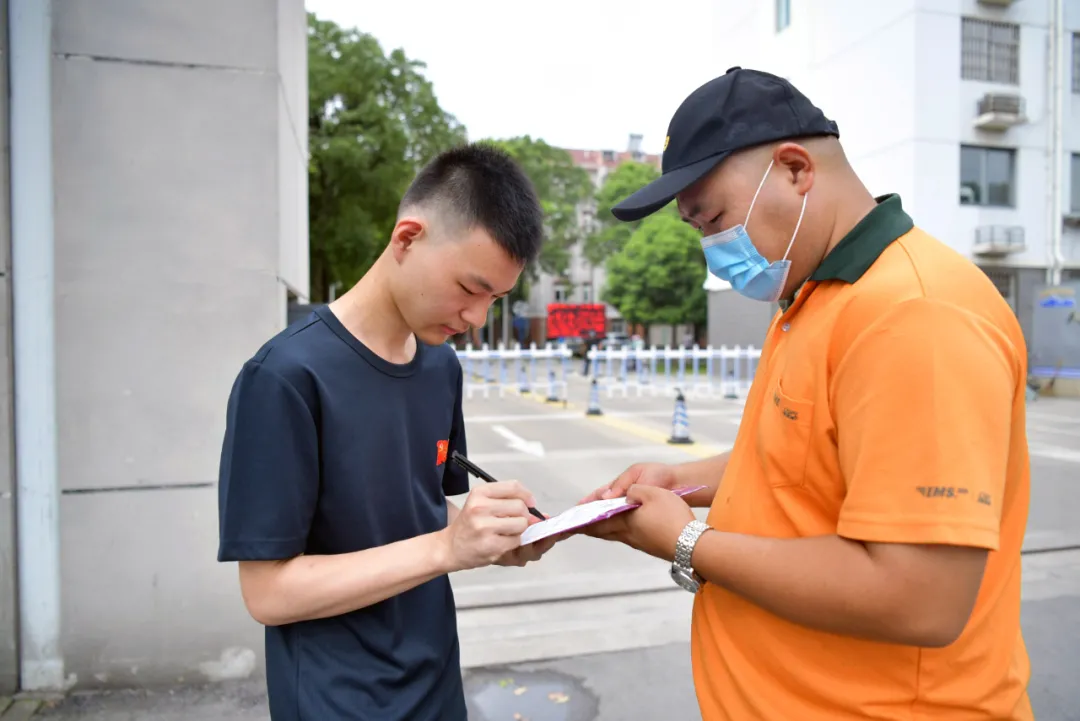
x: 373, y: 121
x: 657, y: 277
x: 611, y: 234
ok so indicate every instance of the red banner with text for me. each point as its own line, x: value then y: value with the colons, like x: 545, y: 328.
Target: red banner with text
x: 569, y: 320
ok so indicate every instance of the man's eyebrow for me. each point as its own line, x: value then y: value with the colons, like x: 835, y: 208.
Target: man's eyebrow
x: 481, y: 282
x: 687, y: 217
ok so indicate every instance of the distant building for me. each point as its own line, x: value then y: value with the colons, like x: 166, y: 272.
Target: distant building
x: 584, y: 282
x: 598, y: 163
x: 953, y: 111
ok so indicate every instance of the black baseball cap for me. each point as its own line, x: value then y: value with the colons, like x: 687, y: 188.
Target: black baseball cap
x: 738, y: 110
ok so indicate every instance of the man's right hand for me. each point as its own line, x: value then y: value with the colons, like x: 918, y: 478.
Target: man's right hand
x: 489, y: 525
x: 660, y: 475
x: 706, y: 472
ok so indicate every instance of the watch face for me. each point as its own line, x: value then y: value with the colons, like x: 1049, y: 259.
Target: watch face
x: 684, y: 579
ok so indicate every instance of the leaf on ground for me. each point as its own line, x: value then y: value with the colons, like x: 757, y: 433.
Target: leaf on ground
x: 520, y: 690
x: 506, y: 682
x: 558, y: 697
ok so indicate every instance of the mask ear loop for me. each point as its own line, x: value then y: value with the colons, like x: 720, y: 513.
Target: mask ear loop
x: 759, y: 187
x: 801, y: 212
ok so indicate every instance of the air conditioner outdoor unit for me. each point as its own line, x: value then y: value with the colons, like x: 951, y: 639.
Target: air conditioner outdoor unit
x: 1000, y: 111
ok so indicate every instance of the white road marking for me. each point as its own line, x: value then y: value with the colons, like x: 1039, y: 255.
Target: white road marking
x: 533, y: 448
x: 1051, y: 575
x: 1056, y: 418
x: 734, y: 414
x: 1053, y: 453
x: 631, y: 454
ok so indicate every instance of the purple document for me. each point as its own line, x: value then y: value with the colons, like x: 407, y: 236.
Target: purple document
x: 584, y: 515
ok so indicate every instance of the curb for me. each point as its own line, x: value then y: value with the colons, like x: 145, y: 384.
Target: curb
x: 19, y: 709
x: 581, y: 585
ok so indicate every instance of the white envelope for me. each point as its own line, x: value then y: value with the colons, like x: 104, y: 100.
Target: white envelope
x: 584, y: 515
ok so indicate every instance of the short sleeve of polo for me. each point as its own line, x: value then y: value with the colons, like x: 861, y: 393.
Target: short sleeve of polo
x: 923, y: 403
x: 455, y: 479
x: 269, y: 474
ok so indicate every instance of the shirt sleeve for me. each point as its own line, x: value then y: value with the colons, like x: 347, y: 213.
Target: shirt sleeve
x: 269, y: 473
x: 924, y: 405
x: 455, y: 479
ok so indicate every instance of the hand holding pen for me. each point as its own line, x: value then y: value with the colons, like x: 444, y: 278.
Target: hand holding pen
x: 488, y: 528
x: 485, y: 476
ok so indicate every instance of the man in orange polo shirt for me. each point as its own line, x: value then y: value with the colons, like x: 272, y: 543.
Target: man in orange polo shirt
x: 861, y: 556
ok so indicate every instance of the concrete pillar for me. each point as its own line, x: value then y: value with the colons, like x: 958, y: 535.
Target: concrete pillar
x: 181, y: 217
x: 9, y: 630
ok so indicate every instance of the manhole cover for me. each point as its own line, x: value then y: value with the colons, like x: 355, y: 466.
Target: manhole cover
x: 528, y: 696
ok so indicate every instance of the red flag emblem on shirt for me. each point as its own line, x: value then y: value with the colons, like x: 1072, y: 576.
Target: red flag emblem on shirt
x: 441, y: 447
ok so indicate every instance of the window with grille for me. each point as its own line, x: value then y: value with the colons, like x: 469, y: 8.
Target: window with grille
x: 1074, y: 183
x: 990, y: 51
x: 1003, y: 281
x: 987, y: 176
x: 1076, y: 63
x: 783, y: 14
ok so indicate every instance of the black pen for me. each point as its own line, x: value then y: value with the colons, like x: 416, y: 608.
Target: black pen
x: 483, y: 475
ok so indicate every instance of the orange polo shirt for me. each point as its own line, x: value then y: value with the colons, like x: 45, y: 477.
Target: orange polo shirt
x: 888, y: 406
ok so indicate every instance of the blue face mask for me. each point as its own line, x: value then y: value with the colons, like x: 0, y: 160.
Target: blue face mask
x: 732, y: 257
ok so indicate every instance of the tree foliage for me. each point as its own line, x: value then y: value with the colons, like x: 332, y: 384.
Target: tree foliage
x: 611, y: 234
x: 657, y: 276
x: 562, y: 186
x: 373, y: 121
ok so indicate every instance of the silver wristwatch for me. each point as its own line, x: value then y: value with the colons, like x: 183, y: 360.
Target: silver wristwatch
x: 681, y: 570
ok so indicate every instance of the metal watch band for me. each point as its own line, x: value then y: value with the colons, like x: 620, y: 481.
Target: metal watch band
x: 684, y: 548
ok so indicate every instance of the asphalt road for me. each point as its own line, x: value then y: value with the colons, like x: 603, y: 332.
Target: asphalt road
x: 580, y: 630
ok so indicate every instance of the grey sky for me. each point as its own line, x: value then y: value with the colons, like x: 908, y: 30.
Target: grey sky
x: 578, y: 73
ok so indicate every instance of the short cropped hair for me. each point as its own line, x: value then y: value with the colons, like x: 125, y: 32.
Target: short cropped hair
x: 482, y: 186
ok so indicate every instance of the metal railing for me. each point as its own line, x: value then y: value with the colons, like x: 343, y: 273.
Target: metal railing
x: 517, y: 369
x: 709, y: 371
x: 700, y: 371
x: 999, y: 239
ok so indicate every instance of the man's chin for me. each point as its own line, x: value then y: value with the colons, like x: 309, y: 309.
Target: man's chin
x: 435, y: 336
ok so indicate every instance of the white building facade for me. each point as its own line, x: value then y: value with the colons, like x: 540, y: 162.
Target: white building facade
x: 948, y: 103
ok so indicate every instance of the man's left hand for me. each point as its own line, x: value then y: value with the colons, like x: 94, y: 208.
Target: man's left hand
x: 527, y: 554
x: 532, y: 552
x: 653, y: 528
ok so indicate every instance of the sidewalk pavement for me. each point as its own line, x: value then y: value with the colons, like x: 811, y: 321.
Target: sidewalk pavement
x: 639, y: 685
x: 604, y: 687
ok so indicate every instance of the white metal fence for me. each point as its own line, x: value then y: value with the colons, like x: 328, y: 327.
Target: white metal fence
x: 725, y: 371
x: 516, y: 370
x: 712, y: 372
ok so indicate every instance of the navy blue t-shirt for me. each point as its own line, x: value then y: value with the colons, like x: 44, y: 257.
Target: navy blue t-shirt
x: 331, y: 449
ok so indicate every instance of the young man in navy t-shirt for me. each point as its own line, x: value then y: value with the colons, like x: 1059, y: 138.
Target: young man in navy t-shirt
x: 335, y: 464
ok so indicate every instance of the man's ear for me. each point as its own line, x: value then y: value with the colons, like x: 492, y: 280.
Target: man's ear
x: 797, y: 165
x: 406, y: 231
